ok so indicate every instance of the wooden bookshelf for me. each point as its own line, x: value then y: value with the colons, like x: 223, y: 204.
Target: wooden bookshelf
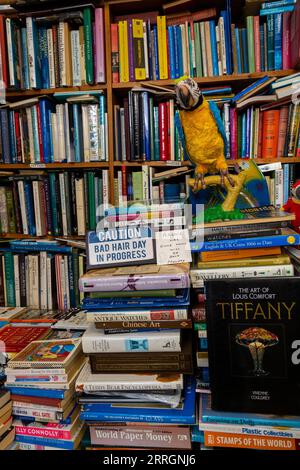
x: 50, y: 91
x: 53, y: 166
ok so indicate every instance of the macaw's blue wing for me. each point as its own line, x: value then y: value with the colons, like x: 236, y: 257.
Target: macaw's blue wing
x: 179, y: 129
x: 217, y: 115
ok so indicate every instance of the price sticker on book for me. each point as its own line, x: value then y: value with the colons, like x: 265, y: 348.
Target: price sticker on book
x: 173, y: 246
x: 121, y: 246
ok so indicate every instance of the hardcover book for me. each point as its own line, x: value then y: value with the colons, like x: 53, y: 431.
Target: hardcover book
x: 14, y: 338
x: 253, y: 330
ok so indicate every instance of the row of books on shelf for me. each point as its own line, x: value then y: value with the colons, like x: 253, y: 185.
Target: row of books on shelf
x: 55, y: 203
x: 149, y: 46
x: 40, y: 130
x: 53, y: 49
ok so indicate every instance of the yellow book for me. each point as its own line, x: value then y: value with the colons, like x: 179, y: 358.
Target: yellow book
x: 138, y: 49
x: 123, y: 48
x: 162, y: 47
x: 237, y: 263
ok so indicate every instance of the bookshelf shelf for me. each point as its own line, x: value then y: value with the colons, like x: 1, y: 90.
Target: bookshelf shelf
x: 51, y: 91
x: 52, y: 166
x: 210, y: 80
x: 20, y: 236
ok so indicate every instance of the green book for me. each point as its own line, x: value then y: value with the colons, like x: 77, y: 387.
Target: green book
x: 137, y: 185
x: 250, y: 41
x: 88, y: 45
x: 151, y: 116
x: 198, y: 51
x: 199, y: 326
x: 134, y: 293
x: 10, y: 210
x: 9, y: 279
x: 91, y: 200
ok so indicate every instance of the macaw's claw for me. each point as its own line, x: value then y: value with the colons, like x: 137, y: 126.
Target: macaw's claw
x: 224, y: 174
x: 199, y: 178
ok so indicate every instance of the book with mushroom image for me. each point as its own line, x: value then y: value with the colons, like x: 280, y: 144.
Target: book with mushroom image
x: 253, y: 332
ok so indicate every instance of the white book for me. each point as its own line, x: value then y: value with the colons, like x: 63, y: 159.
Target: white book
x: 3, y: 210
x: 96, y: 341
x: 151, y: 173
x: 43, y: 280
x: 203, y: 49
x: 10, y: 55
x: 67, y: 132
x: 199, y: 275
x: 35, y: 282
x: 20, y: 404
x: 80, y: 273
x: 184, y: 50
x: 222, y: 42
x: 106, y: 137
x: 17, y: 280
x: 37, y: 208
x: 22, y: 140
x: 279, y: 187
x: 251, y: 131
x: 63, y: 203
x: 75, y: 48
x: 60, y: 121
x: 51, y: 58
x: 88, y: 382
x: 145, y: 182
x: 219, y: 50
x: 31, y: 52
x: 29, y: 282
x: 133, y: 315
x: 21, y: 193
x: 40, y: 414
x: 256, y: 131
x: 30, y: 134
x: 55, y: 143
x: 62, y: 54
x: 105, y: 188
x: 85, y: 133
x: 202, y: 359
x: 27, y: 278
x: 146, y: 41
x: 49, y: 284
x: 119, y: 176
x: 93, y: 125
x: 80, y: 206
x: 35, y: 128
x: 67, y: 283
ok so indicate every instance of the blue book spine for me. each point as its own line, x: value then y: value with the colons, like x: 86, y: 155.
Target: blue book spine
x: 171, y: 51
x: 286, y: 183
x: 289, y: 239
x: 45, y: 125
x: 36, y: 392
x: 262, y: 47
x: 49, y: 112
x: 278, y: 41
x: 12, y: 136
x: 214, y: 53
x: 248, y: 132
x: 38, y: 71
x: 36, y: 246
x: 178, y: 39
x: 25, y: 68
x: 36, y: 146
x: 176, y: 52
x: 5, y: 135
x: 29, y: 207
x: 228, y: 50
x: 245, y: 50
x: 156, y: 52
x: 138, y: 418
x: 77, y: 133
x: 244, y: 135
x: 249, y: 88
x: 280, y: 3
x: 54, y: 212
x: 102, y: 127
x: 71, y: 282
x: 146, y: 125
x: 274, y: 11
x: 190, y: 52
x: 45, y: 441
x: 43, y: 48
x: 270, y: 42
x: 238, y: 50
x: 150, y: 51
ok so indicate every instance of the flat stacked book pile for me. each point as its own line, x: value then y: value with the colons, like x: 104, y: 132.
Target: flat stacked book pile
x: 41, y: 379
x: 139, y: 346
x: 7, y: 432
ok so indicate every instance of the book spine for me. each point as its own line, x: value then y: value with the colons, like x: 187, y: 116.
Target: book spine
x: 88, y: 45
x: 162, y: 47
x: 115, y: 52
x: 144, y: 315
x: 278, y: 41
x: 270, y: 42
x: 286, y: 40
x: 9, y: 279
x: 99, y: 46
x: 50, y: 432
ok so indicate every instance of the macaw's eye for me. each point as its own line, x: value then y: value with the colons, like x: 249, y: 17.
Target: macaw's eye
x: 297, y: 192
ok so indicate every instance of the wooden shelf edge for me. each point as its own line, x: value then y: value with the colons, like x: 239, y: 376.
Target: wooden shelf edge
x: 217, y: 79
x: 52, y: 166
x: 51, y: 91
x: 19, y: 236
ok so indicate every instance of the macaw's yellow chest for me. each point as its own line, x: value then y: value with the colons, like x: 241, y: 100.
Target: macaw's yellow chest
x: 203, y: 140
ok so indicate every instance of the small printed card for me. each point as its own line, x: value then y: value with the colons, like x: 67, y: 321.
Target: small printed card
x: 173, y: 246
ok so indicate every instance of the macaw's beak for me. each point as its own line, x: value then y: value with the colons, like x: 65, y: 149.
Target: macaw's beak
x: 185, y: 96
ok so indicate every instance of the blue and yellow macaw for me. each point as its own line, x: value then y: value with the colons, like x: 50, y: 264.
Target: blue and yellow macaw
x: 204, y: 133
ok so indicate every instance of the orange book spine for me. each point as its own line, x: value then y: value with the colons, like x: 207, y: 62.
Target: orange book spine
x: 283, y: 121
x: 239, y: 254
x: 115, y: 52
x: 270, y: 133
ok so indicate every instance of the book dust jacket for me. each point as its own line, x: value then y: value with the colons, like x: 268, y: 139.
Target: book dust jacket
x: 254, y: 344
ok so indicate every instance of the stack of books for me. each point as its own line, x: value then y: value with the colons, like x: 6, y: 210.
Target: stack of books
x: 51, y: 49
x: 41, y: 379
x: 71, y: 127
x: 7, y: 431
x: 139, y: 347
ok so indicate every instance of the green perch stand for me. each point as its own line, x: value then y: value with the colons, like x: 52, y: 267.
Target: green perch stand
x: 217, y: 213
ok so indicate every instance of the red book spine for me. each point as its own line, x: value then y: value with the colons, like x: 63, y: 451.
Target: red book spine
x: 233, y: 134
x: 3, y: 49
x: 256, y: 32
x: 282, y: 131
x: 168, y: 130
x: 295, y: 37
x: 39, y: 122
x: 286, y: 40
x: 37, y: 400
x: 115, y: 53
x: 18, y: 136
x: 260, y: 127
x: 124, y: 183
x: 270, y: 133
x: 163, y: 130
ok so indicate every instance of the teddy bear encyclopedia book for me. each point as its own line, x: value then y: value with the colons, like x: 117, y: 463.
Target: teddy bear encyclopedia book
x: 253, y: 328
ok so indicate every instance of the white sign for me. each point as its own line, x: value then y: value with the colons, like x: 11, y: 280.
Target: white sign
x: 173, y: 246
